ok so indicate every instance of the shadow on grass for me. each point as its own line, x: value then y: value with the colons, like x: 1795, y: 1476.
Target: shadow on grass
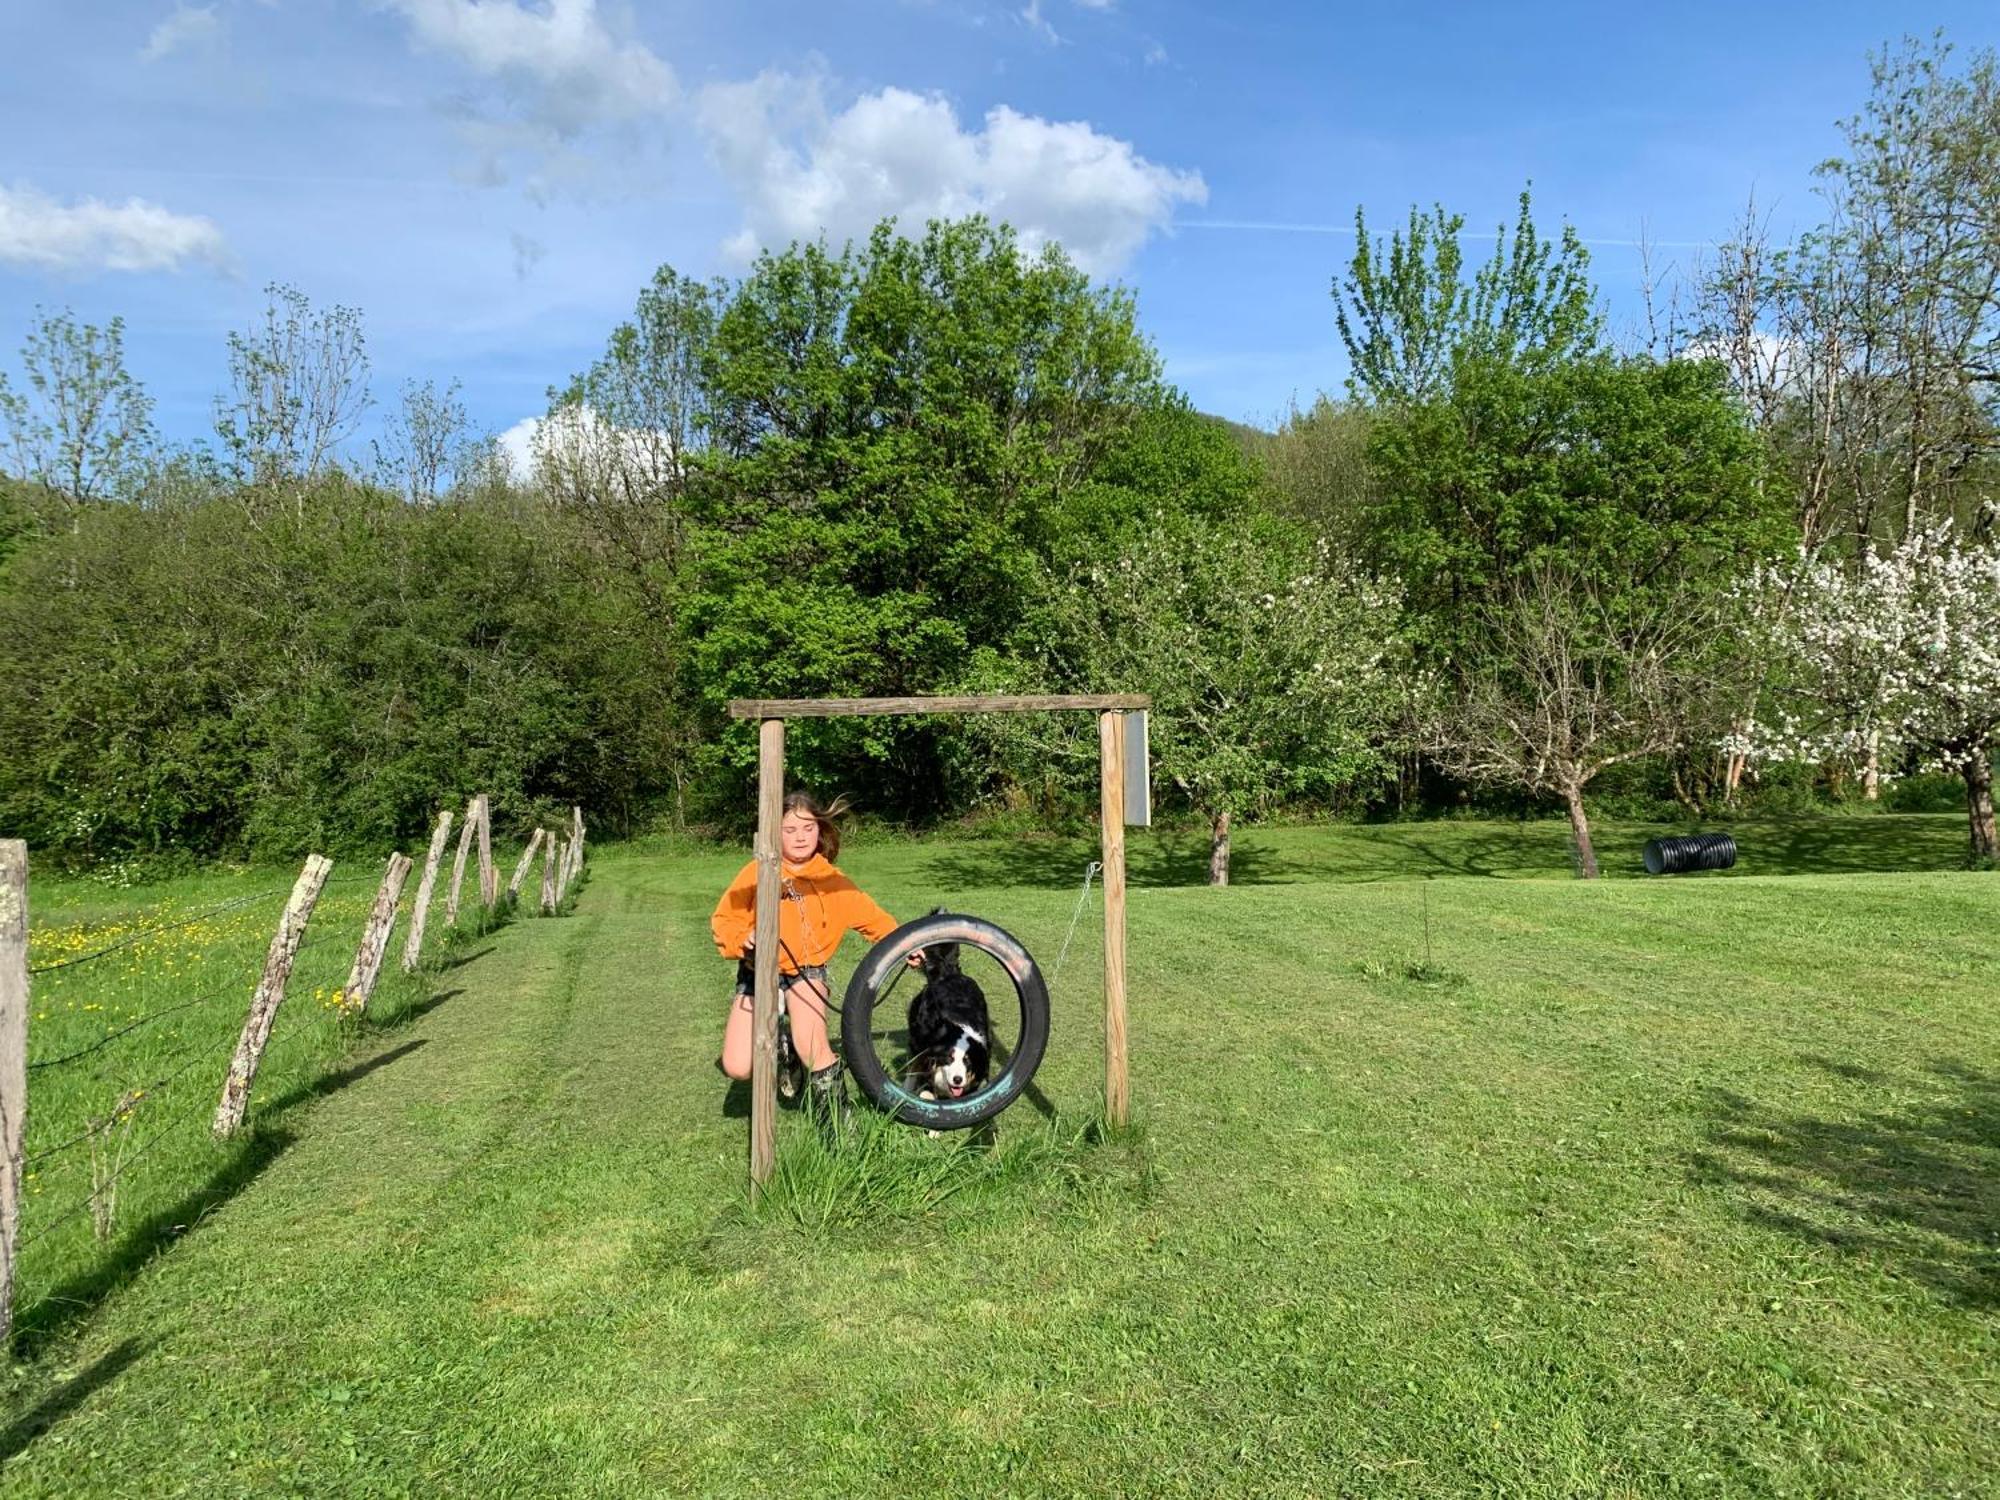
x: 334, y: 1082
x: 63, y: 1399
x: 1168, y: 859
x: 70, y: 1301
x: 398, y: 1019
x: 1915, y: 1187
x: 1539, y: 848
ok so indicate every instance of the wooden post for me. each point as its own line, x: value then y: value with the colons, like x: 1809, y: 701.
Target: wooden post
x: 549, y: 875
x: 420, y: 910
x: 521, y: 868
x: 458, y: 864
x: 489, y: 878
x: 375, y: 936
x: 13, y: 1060
x: 764, y: 1005
x: 1111, y: 810
x: 576, y: 837
x: 270, y: 995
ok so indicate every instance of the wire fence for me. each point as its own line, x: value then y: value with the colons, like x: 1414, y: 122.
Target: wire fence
x: 302, y: 1048
x: 146, y: 1020
x: 145, y: 932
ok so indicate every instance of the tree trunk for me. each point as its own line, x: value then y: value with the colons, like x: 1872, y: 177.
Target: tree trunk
x: 1871, y: 770
x: 1218, y: 850
x: 1579, y: 827
x: 1979, y: 805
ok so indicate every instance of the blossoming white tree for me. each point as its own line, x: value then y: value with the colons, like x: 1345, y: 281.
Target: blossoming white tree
x: 1902, y: 652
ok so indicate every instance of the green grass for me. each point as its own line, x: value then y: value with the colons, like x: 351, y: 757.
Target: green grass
x: 1646, y: 1187
x: 138, y: 999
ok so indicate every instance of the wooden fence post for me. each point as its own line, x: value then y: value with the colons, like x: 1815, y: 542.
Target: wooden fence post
x: 375, y: 936
x: 549, y: 876
x: 420, y: 910
x: 576, y: 840
x: 458, y: 864
x: 764, y: 1003
x: 521, y: 868
x: 1111, y: 810
x: 489, y: 878
x: 270, y: 995
x: 13, y: 1060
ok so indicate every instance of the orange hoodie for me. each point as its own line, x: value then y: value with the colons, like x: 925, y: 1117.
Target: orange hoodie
x: 828, y: 905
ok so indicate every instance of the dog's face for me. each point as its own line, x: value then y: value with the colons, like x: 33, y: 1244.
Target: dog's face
x: 962, y: 1067
x: 940, y: 959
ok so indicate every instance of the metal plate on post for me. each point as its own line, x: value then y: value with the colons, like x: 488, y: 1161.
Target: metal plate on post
x: 1138, y: 772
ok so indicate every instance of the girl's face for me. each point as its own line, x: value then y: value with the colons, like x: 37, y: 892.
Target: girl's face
x: 798, y: 838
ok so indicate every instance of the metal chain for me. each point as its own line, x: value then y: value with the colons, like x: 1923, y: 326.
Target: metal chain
x: 1089, y: 873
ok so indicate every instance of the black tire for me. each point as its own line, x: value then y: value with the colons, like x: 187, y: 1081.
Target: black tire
x: 882, y: 963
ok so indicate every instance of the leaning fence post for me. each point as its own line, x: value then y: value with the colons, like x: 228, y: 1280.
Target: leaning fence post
x: 13, y: 1060
x: 489, y: 878
x: 375, y: 936
x: 270, y: 994
x: 458, y: 864
x: 420, y: 909
x: 521, y: 868
x: 549, y: 857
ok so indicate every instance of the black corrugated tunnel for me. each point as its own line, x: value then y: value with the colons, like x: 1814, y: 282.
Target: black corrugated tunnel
x: 1694, y: 851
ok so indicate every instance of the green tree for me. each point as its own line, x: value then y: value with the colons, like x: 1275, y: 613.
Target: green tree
x: 1412, y: 323
x: 82, y: 429
x: 298, y: 389
x: 898, y: 433
x: 1275, y: 670
x: 1576, y: 674
x: 1628, y: 471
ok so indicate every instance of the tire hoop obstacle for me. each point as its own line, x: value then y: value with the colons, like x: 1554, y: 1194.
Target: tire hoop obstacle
x: 880, y: 968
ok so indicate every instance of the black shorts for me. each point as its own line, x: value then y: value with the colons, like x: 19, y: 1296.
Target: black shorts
x: 746, y: 978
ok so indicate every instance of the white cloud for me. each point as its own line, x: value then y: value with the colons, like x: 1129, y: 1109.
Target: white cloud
x: 559, y: 63
x: 1032, y: 14
x: 577, y: 440
x: 518, y: 443
x: 188, y: 26
x: 92, y: 235
x: 802, y: 172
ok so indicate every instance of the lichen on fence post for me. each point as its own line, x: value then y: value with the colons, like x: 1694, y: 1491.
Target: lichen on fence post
x: 550, y: 854
x: 458, y: 863
x: 525, y: 863
x: 13, y: 1060
x: 375, y: 936
x: 270, y: 994
x: 420, y: 910
x: 489, y: 878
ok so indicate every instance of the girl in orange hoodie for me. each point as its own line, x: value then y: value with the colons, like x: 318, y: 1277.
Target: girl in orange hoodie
x: 817, y: 907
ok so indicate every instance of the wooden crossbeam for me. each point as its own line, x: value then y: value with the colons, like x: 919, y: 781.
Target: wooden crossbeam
x: 978, y: 703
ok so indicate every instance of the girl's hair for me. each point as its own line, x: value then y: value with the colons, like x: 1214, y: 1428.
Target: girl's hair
x: 806, y: 805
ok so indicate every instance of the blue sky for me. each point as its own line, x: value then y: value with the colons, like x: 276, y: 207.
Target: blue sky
x: 490, y: 181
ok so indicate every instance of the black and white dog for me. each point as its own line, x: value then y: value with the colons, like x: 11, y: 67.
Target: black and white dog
x: 950, y: 1031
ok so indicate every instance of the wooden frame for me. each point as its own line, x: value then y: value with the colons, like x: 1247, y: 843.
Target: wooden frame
x: 770, y: 714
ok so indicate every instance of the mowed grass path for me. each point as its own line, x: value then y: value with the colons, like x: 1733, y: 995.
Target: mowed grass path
x: 1666, y: 1188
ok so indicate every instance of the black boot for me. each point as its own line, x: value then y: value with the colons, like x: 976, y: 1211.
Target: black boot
x: 791, y: 1068
x: 826, y: 1096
